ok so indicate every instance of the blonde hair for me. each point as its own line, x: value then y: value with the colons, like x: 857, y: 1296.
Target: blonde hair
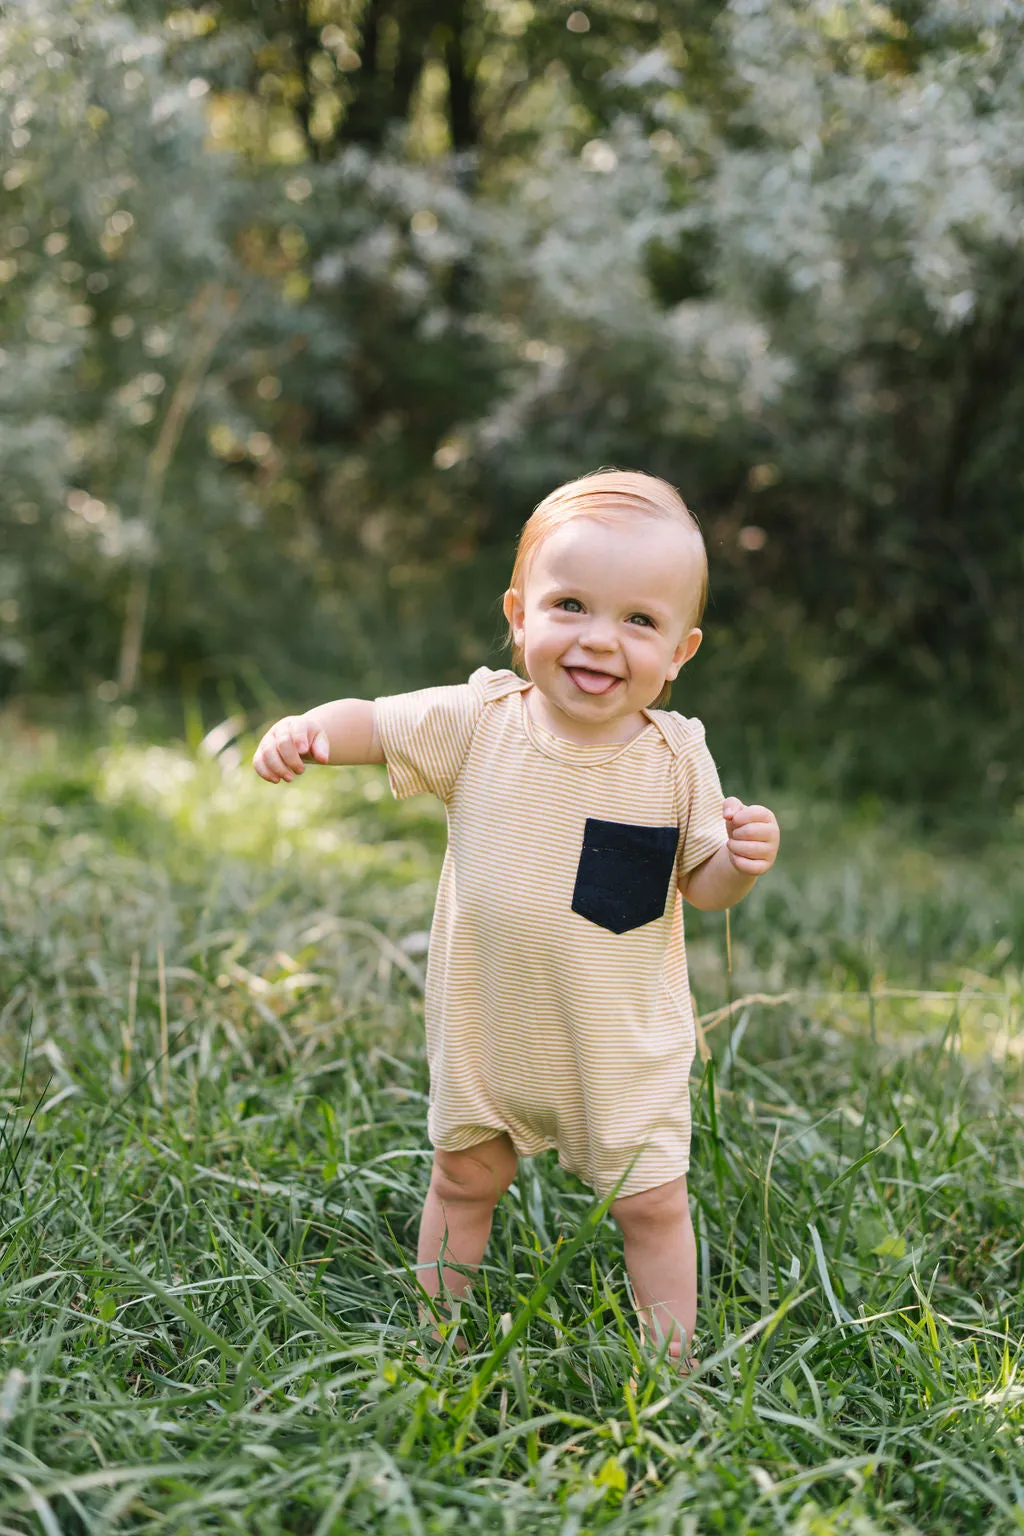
x: 605, y: 494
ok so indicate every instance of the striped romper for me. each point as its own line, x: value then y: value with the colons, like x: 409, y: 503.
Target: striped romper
x: 557, y: 1002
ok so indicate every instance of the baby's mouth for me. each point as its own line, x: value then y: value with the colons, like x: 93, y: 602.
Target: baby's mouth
x: 588, y: 680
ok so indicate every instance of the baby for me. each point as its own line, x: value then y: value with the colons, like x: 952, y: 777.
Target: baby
x: 580, y: 812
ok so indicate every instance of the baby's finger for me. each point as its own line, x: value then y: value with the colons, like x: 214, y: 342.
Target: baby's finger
x: 756, y: 831
x: 751, y: 813
x: 759, y: 813
x: 731, y: 807
x: 277, y: 768
x: 754, y: 853
x: 266, y: 761
x: 291, y: 744
x: 748, y: 866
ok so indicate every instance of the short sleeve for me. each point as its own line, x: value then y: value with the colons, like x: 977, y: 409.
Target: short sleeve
x: 701, y: 799
x: 425, y: 737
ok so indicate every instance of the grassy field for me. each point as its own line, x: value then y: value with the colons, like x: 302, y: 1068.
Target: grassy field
x: 214, y: 1155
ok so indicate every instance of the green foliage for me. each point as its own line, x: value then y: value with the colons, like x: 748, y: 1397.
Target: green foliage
x: 304, y: 308
x: 213, y: 1110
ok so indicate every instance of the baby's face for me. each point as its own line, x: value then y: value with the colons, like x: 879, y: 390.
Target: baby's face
x: 605, y: 620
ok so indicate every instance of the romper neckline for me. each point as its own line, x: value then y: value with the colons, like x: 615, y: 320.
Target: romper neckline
x: 580, y: 754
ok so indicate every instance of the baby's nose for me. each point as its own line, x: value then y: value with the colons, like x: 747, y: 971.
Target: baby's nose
x: 600, y: 636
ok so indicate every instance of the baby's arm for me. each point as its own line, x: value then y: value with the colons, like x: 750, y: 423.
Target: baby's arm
x: 344, y: 731
x: 726, y: 877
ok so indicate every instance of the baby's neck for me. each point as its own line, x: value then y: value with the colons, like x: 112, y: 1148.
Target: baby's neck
x: 547, y: 715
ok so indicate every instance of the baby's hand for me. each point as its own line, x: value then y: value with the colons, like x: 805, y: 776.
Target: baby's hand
x: 280, y: 753
x: 753, y: 836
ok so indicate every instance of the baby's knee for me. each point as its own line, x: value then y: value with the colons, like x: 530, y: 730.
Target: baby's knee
x: 653, y: 1209
x: 479, y: 1175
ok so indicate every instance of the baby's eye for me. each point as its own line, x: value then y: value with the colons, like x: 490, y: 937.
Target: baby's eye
x: 570, y: 604
x: 643, y: 619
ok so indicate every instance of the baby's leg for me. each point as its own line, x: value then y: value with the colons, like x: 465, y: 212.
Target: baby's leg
x: 661, y: 1257
x: 464, y: 1189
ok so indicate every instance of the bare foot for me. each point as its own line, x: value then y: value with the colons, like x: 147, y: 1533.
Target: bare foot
x: 460, y: 1346
x: 685, y: 1367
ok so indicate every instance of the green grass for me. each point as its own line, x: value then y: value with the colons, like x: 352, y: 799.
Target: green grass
x: 214, y: 1155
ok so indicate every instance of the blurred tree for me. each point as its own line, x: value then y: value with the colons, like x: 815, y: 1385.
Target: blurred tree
x: 875, y: 227
x: 305, y: 304
x: 113, y: 238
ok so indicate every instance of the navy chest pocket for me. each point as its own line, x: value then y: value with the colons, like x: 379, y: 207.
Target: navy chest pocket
x: 622, y: 881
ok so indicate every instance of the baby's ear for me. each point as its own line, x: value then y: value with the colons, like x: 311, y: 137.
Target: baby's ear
x: 512, y: 608
x: 685, y: 651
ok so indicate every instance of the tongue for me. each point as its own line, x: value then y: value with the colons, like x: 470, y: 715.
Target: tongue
x: 592, y: 682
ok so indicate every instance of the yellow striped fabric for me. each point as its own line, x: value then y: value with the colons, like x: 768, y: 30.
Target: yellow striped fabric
x: 540, y: 1022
